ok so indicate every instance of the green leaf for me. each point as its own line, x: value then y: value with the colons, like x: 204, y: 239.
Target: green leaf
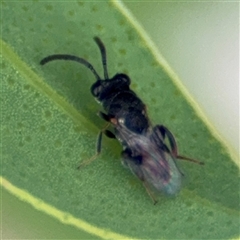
x: 49, y: 126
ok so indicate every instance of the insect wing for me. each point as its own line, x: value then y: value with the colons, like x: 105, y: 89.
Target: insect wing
x: 160, y: 171
x: 157, y: 166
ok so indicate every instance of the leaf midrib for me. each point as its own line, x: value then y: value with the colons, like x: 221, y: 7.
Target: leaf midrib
x: 43, y: 87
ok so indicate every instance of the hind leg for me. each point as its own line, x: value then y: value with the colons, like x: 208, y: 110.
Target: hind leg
x: 165, y: 132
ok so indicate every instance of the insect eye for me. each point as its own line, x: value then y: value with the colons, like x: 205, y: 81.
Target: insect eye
x: 96, y: 89
x: 124, y: 78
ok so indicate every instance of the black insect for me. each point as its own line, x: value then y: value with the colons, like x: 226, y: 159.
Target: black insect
x: 145, y: 150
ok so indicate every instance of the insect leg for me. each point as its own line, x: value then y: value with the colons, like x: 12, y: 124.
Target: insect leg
x: 107, y: 118
x: 150, y: 193
x: 104, y: 116
x: 161, y: 132
x: 98, y: 151
x: 174, y: 149
x: 109, y: 134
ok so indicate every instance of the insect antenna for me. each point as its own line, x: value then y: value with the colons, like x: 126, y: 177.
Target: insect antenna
x: 103, y: 54
x: 70, y: 58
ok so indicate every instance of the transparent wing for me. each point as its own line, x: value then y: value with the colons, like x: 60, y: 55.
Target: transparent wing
x: 159, y: 170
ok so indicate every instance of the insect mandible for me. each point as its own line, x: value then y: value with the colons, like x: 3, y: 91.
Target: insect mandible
x: 145, y: 150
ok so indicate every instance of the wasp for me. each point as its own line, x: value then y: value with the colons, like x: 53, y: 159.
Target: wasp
x: 150, y: 152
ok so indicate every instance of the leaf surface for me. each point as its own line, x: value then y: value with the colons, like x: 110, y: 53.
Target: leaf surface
x: 49, y: 126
